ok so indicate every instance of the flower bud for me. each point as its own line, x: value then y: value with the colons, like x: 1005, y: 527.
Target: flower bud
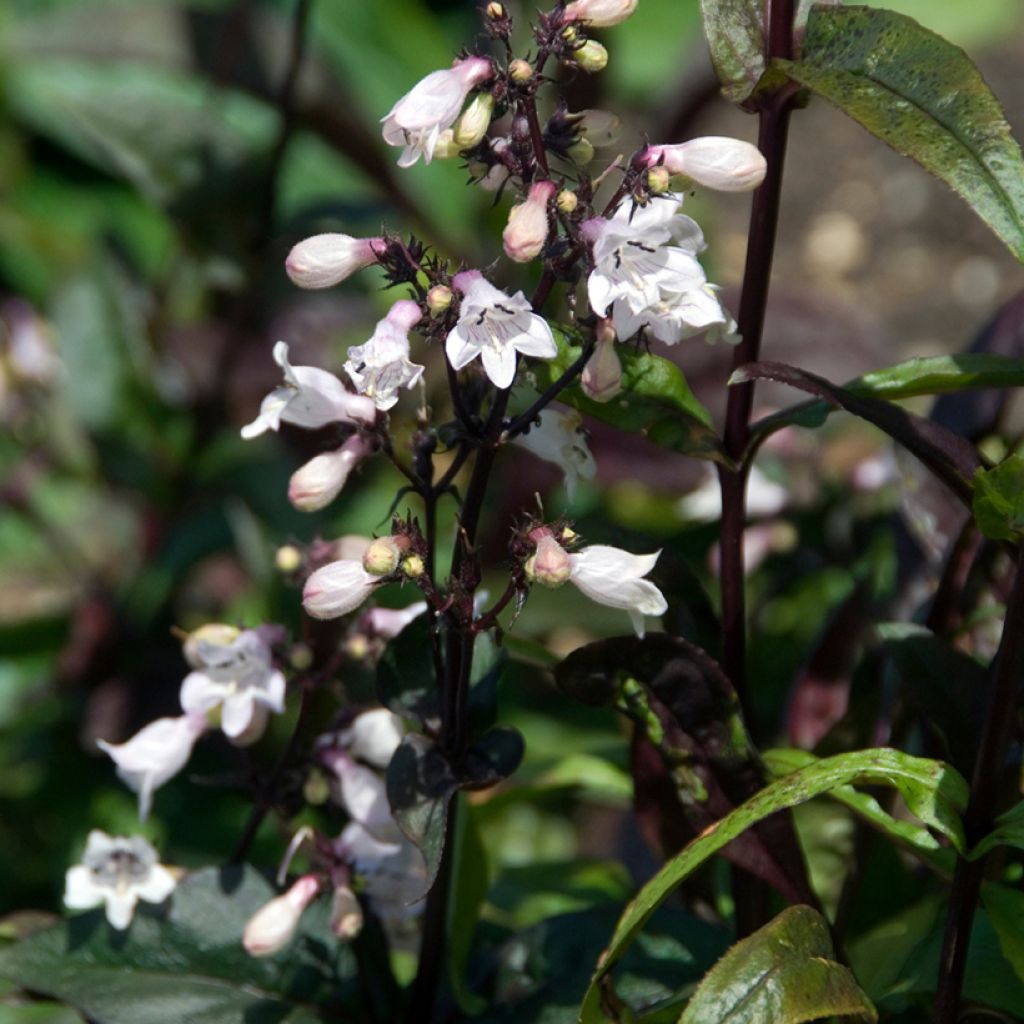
x: 567, y: 201
x: 316, y: 790
x: 316, y: 484
x: 549, y: 565
x: 520, y: 71
x: 288, y: 558
x: 346, y: 914
x: 569, y: 34
x: 413, y: 567
x: 270, y: 929
x: 475, y: 121
x: 600, y: 13
x: 591, y: 56
x: 727, y: 165
x: 659, y: 180
x: 324, y: 260
x: 439, y: 298
x: 601, y: 379
x: 216, y: 633
x: 581, y: 152
x: 527, y: 229
x: 382, y: 556
x: 494, y: 10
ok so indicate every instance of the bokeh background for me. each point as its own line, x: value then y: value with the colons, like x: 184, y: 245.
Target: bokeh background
x: 154, y: 171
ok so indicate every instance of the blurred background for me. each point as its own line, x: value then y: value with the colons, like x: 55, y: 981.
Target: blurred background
x: 157, y: 162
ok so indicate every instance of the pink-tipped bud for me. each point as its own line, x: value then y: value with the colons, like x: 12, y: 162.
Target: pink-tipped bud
x: 601, y: 379
x: 527, y: 229
x: 600, y: 13
x: 323, y: 260
x: 346, y: 914
x: 382, y: 556
x: 316, y: 484
x: 727, y: 165
x: 591, y: 56
x: 549, y: 565
x: 439, y: 298
x: 270, y: 929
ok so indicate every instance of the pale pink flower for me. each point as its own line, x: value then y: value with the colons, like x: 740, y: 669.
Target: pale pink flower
x: 271, y: 928
x: 528, y: 224
x: 317, y: 483
x: 381, y: 366
x: 716, y: 162
x: 324, y: 260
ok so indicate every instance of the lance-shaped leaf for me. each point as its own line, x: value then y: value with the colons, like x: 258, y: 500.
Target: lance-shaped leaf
x: 785, y: 973
x: 999, y: 500
x: 1009, y: 831
x: 655, y: 401
x: 922, y: 96
x: 1005, y: 908
x: 928, y: 787
x: 952, y: 459
x: 695, y: 761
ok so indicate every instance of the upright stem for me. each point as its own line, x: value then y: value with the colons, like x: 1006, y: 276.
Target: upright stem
x: 983, y: 803
x: 764, y: 217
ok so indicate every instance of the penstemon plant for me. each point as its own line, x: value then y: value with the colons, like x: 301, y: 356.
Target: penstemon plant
x: 581, y: 316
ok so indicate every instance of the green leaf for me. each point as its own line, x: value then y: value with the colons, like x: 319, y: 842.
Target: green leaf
x: 735, y: 31
x: 1009, y: 831
x: 467, y: 896
x: 406, y: 681
x: 655, y: 400
x: 999, y: 499
x: 1005, y: 908
x: 785, y: 972
x: 923, y: 97
x: 189, y: 965
x: 930, y: 788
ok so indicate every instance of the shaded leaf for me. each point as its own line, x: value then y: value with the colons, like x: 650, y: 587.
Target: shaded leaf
x: 1005, y: 908
x: 405, y: 681
x: 923, y: 97
x: 470, y: 868
x: 929, y: 787
x: 1009, y: 831
x: 999, y: 500
x: 189, y: 965
x: 949, y: 457
x: 655, y: 401
x: 785, y: 972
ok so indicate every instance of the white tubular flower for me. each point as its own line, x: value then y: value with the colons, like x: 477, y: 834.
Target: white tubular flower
x: 724, y: 164
x: 495, y: 326
x: 346, y: 920
x: 271, y: 928
x: 363, y: 794
x: 599, y: 13
x: 381, y: 366
x: 154, y: 754
x: 316, y: 484
x: 324, y: 260
x: 117, y: 871
x: 614, y: 577
x: 337, y: 589
x: 239, y: 678
x: 417, y: 120
x: 527, y: 229
x: 310, y: 397
x: 394, y: 872
x: 601, y: 379
x: 559, y: 438
x: 679, y: 315
x: 373, y: 737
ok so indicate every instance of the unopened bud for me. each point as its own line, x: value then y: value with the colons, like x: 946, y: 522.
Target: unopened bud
x: 724, y: 164
x: 568, y: 535
x: 601, y: 379
x: 473, y: 124
x: 581, y: 152
x: 413, y: 567
x: 569, y: 34
x: 300, y: 657
x: 520, y: 71
x: 439, y: 298
x: 316, y: 790
x: 527, y: 229
x: 218, y: 634
x: 288, y: 558
x: 549, y: 565
x: 567, y: 201
x: 382, y: 556
x: 495, y: 11
x: 324, y: 260
x: 599, y: 13
x: 317, y: 483
x: 346, y: 914
x: 591, y: 56
x: 270, y: 929
x: 659, y: 180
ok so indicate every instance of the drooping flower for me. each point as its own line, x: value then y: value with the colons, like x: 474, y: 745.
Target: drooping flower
x: 549, y: 565
x: 362, y: 793
x: 601, y: 379
x: 599, y: 13
x: 156, y: 753
x: 724, y: 164
x: 417, y: 120
x: 271, y: 928
x: 317, y: 483
x: 239, y: 678
x: 310, y: 397
x: 527, y: 228
x: 381, y: 366
x: 614, y: 577
x: 117, y: 871
x: 338, y: 588
x: 324, y: 260
x: 559, y: 438
x: 495, y: 326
